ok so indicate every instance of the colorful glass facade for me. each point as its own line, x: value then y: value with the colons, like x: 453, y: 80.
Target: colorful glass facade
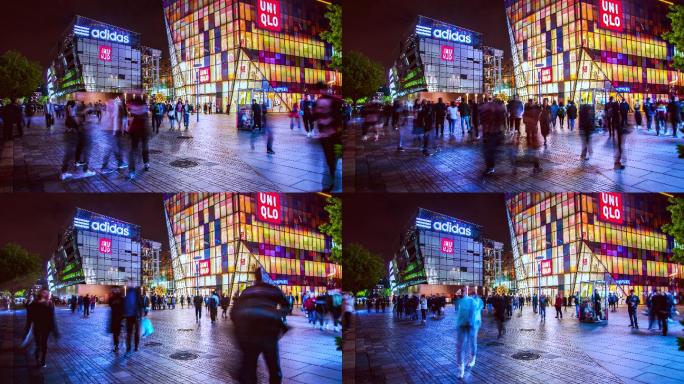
x: 591, y: 49
x: 218, y: 240
x: 241, y: 59
x: 579, y: 239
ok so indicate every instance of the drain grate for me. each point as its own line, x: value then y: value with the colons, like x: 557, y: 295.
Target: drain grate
x: 494, y: 344
x: 185, y: 329
x: 184, y: 137
x: 153, y: 344
x: 184, y: 355
x: 184, y: 163
x: 155, y: 151
x: 526, y: 355
x: 527, y: 329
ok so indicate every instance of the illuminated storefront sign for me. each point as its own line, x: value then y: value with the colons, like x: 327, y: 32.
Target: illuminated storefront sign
x: 546, y: 267
x: 431, y: 28
x: 546, y: 75
x: 268, y: 207
x: 610, y: 207
x: 280, y: 282
x: 268, y: 15
x: 102, y: 34
x: 447, y: 53
x: 204, y: 269
x: 447, y: 246
x: 610, y: 15
x: 622, y: 282
x: 444, y: 224
x: 105, y: 53
x: 94, y: 222
x: 105, y: 246
x: 623, y: 89
x: 204, y: 75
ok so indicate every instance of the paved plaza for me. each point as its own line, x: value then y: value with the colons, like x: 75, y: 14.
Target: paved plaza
x: 213, y: 156
x: 84, y: 352
x: 382, y: 349
x: 652, y: 164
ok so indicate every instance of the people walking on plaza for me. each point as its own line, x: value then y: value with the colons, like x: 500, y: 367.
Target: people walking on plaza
x: 535, y: 302
x: 225, y: 303
x: 649, y: 111
x: 637, y: 114
x: 29, y: 111
x: 543, y: 302
x: 572, y: 115
x: 576, y: 301
x: 40, y: 319
x: 587, y: 123
x: 674, y: 111
x: 257, y: 315
x: 86, y: 306
x: 632, y: 306
x: 73, y: 303
x: 198, y: 301
x: 140, y: 135
x: 307, y: 108
x: 257, y: 114
x: 113, y: 126
x: 424, y: 121
x: 531, y: 117
x: 186, y: 114
x: 322, y: 307
x: 158, y: 116
x: 521, y: 303
x: 214, y: 302
x: 440, y: 111
x: 553, y: 114
x: 561, y: 113
x: 499, y: 304
x: 558, y: 304
x: 116, y: 305
x: 624, y: 113
x: 133, y: 312
x: 328, y: 114
x: 464, y: 112
x: 660, y: 308
x: 493, y: 118
x: 468, y: 321
x: 475, y: 113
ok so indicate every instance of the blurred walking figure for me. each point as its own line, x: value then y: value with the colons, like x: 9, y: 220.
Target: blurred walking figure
x: 225, y: 303
x: 531, y: 121
x: 468, y: 321
x: 140, y: 135
x: 674, y: 111
x: 76, y: 140
x: 257, y: 314
x: 493, y: 118
x: 558, y: 305
x: 543, y: 302
x: 294, y: 117
x: 186, y: 114
x: 424, y: 120
x: 197, y: 302
x: 516, y: 110
x: 86, y: 306
x: 116, y: 303
x: 547, y: 118
x: 113, y: 125
x: 40, y: 315
x: 213, y: 305
x: 587, y: 123
x: 572, y: 115
x: 256, y: 115
x: 133, y: 312
x: 307, y: 107
x: 158, y: 116
x: 499, y: 304
x: 329, y: 118
x: 452, y: 113
x: 632, y: 305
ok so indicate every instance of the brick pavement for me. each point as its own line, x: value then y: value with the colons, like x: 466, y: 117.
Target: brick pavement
x: 457, y: 165
x: 223, y: 156
x: 401, y: 351
x: 83, y: 354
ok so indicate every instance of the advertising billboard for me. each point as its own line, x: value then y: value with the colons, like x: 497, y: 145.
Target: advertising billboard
x: 611, y: 207
x: 268, y: 207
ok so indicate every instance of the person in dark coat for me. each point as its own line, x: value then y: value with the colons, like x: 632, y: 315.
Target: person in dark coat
x: 545, y: 119
x: 225, y: 303
x: 197, y: 302
x: 632, y: 305
x: 133, y: 306
x: 674, y: 111
x: 41, y: 315
x: 116, y: 304
x: 612, y: 115
x: 586, y: 126
x: 256, y: 114
x: 499, y: 304
x: 424, y: 119
x: 572, y: 114
x: 440, y: 110
x: 659, y: 306
x: 257, y: 314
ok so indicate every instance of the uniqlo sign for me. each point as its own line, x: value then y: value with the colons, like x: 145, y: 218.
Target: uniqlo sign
x: 546, y: 267
x: 447, y: 53
x: 611, y: 208
x: 105, y: 53
x: 447, y: 246
x: 268, y: 15
x: 105, y: 246
x: 546, y: 74
x: 204, y: 268
x: 204, y: 75
x: 268, y: 207
x: 610, y: 15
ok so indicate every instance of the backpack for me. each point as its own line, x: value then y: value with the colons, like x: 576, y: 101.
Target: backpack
x: 561, y: 111
x: 337, y: 300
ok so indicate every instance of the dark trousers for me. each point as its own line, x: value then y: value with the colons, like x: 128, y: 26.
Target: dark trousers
x: 132, y: 325
x: 423, y: 314
x: 649, y: 120
x: 250, y: 356
x: 490, y: 144
x: 559, y: 312
x: 633, y: 318
x: 439, y: 125
x: 223, y: 311
x: 156, y: 123
x: 41, y: 338
x: 662, y: 321
x: 213, y: 311
x: 82, y: 149
x: 516, y: 123
x: 328, y: 144
x: 136, y: 140
x: 116, y: 332
x: 198, y: 313
x: 86, y: 310
x: 308, y: 122
x: 619, y: 144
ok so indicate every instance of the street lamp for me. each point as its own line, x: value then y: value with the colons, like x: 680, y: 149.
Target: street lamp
x: 539, y: 67
x: 539, y: 259
x: 197, y: 259
x: 197, y: 66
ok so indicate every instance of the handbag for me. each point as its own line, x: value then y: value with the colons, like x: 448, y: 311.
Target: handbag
x: 146, y: 326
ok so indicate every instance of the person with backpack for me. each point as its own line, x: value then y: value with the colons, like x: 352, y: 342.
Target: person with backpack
x: 213, y: 306
x: 553, y: 114
x: 157, y: 117
x: 336, y: 300
x: 572, y: 115
x: 139, y: 132
x: 649, y: 111
x: 464, y: 111
x: 186, y: 108
x: 561, y: 113
x: 197, y: 301
x: 586, y: 126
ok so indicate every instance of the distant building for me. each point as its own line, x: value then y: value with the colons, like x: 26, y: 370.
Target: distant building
x: 150, y: 257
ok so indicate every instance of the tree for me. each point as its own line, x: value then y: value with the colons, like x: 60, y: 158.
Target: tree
x: 333, y: 228
x: 333, y: 35
x: 676, y: 35
x: 362, y: 76
x: 362, y: 268
x: 19, y: 269
x: 19, y: 77
x: 676, y: 227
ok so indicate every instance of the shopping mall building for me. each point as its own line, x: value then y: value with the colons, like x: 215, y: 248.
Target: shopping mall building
x: 100, y: 61
x: 96, y: 252
x: 218, y: 240
x: 439, y: 254
x: 592, y: 49
x: 565, y: 239
x: 233, y: 51
x: 438, y: 59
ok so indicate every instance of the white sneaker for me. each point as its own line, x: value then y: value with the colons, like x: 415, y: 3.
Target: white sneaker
x: 472, y: 363
x: 88, y: 173
x: 461, y: 371
x: 65, y: 176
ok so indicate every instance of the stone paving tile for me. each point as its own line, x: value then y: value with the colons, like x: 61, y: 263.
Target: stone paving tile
x: 386, y: 350
x: 457, y: 164
x: 83, y: 353
x: 225, y: 160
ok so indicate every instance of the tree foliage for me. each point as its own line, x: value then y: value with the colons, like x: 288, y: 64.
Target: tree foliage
x: 19, y: 269
x: 362, y: 268
x: 333, y: 35
x: 19, y: 77
x: 676, y: 227
x: 362, y: 76
x: 676, y: 35
x: 333, y: 227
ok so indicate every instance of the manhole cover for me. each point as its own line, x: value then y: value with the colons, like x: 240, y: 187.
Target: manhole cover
x: 185, y: 329
x: 184, y: 163
x: 494, y: 344
x: 184, y: 356
x: 527, y: 329
x: 152, y: 344
x: 155, y: 151
x: 525, y: 355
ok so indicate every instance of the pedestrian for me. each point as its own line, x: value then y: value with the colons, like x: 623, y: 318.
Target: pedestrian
x: 256, y: 116
x: 197, y: 301
x: 452, y: 113
x: 674, y: 111
x: 158, y: 116
x: 29, y: 111
x: 561, y: 113
x: 493, y: 118
x: 576, y: 301
x: 86, y: 306
x: 113, y: 127
x: 586, y: 126
x: 464, y: 112
x: 186, y: 114
x: 116, y: 304
x: 637, y: 114
x: 553, y: 114
x: 468, y: 321
x: 661, y: 309
x: 632, y: 307
x: 572, y: 115
x: 214, y: 302
x: 257, y: 316
x: 424, y: 121
x: 517, y: 109
x: 171, y: 113
x: 348, y: 307
x: 499, y: 304
x: 294, y: 116
x: 133, y: 313
x: 269, y: 133
x: 531, y: 118
x: 439, y: 110
x: 140, y: 134
x: 328, y: 114
x: 423, y: 308
x: 547, y: 118
x: 225, y: 303
x: 535, y: 302
x: 558, y: 305
x: 543, y: 302
x: 649, y: 110
x: 40, y: 315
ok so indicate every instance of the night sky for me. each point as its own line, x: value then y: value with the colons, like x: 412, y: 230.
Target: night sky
x: 377, y: 220
x: 33, y: 27
x: 33, y: 220
x: 376, y: 27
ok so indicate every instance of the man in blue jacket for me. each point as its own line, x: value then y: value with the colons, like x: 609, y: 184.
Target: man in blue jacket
x: 133, y: 312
